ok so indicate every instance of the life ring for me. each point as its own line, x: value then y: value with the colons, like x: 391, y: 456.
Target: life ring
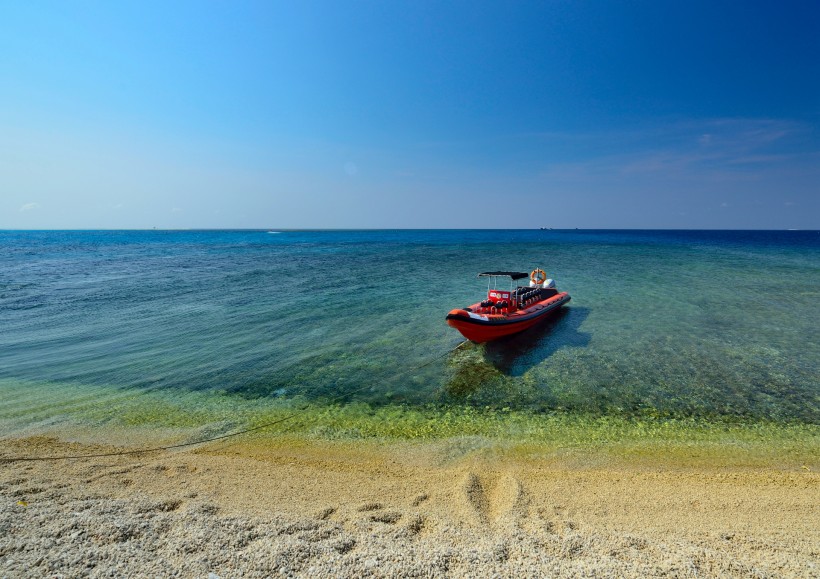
x: 538, y: 276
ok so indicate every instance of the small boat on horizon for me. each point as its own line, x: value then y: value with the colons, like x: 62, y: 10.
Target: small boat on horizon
x: 507, y: 312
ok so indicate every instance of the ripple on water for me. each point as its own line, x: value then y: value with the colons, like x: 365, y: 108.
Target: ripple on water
x: 704, y: 324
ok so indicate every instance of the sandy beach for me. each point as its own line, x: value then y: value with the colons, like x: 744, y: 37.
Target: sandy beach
x: 449, y: 508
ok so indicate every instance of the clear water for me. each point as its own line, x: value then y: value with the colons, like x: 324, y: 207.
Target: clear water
x: 704, y: 324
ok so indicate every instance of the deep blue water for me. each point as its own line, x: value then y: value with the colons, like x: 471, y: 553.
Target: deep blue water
x: 684, y: 323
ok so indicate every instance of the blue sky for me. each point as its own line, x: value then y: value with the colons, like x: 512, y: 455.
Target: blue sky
x: 418, y: 114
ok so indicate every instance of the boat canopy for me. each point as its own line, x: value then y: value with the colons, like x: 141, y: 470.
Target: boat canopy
x: 511, y: 274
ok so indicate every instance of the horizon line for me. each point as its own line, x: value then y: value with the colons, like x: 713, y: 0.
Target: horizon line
x: 294, y: 229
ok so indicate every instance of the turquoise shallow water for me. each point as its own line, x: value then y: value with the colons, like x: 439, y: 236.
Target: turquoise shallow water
x: 691, y: 324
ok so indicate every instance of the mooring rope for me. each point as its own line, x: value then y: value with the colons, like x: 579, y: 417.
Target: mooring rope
x: 290, y: 416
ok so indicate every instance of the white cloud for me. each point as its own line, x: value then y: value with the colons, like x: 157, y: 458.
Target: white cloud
x: 727, y: 149
x: 29, y: 207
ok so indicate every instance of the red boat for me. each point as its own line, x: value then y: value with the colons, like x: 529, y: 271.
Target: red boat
x: 506, y: 312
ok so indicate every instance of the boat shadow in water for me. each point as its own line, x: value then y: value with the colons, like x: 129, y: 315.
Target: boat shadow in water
x: 482, y: 371
x: 516, y: 354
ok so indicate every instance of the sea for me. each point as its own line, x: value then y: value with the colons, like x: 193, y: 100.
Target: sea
x: 713, y: 325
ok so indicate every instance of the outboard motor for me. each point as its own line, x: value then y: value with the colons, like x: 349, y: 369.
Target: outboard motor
x: 549, y: 283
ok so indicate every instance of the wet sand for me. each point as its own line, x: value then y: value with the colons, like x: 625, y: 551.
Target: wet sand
x: 451, y: 508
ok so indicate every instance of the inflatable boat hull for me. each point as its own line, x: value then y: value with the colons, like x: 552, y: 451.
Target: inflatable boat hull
x: 480, y: 327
